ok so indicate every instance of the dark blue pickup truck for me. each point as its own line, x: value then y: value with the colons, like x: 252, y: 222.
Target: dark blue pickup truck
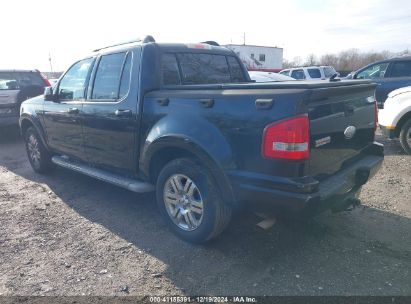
x: 186, y: 121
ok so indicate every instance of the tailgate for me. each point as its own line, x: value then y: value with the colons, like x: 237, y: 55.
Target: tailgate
x: 342, y: 122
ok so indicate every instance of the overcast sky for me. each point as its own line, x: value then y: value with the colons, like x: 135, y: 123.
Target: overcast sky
x: 70, y: 29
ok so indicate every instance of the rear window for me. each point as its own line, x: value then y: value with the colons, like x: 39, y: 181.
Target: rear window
x: 197, y: 68
x: 20, y: 80
x: 203, y: 68
x: 314, y: 73
x: 329, y: 71
x: 401, y: 69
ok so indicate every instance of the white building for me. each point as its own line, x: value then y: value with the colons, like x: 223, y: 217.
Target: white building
x: 257, y: 57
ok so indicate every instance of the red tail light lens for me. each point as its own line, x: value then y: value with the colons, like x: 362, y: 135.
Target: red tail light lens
x: 47, y: 82
x: 287, y: 139
x: 376, y: 115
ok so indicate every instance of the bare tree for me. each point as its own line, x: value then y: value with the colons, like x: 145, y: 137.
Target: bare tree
x: 347, y: 60
x: 311, y: 60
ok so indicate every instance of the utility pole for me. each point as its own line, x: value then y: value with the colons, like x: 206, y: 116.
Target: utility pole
x: 51, y: 66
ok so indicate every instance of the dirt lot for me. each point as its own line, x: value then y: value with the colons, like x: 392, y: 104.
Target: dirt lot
x: 67, y: 234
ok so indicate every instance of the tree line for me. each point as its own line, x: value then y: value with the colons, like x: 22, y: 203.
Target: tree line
x: 348, y: 60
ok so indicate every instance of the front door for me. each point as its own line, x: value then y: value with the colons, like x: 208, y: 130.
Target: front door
x: 110, y: 114
x: 62, y: 117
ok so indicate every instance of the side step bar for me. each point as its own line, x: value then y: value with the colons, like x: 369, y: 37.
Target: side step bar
x: 118, y: 180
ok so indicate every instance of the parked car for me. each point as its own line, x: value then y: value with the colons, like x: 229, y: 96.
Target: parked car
x: 395, y: 118
x: 186, y: 121
x: 15, y: 87
x: 259, y: 76
x: 390, y: 74
x: 310, y: 73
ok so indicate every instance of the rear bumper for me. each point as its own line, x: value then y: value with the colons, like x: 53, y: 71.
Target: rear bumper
x: 307, y: 196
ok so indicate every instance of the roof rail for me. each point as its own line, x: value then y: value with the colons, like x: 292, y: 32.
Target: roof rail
x: 146, y: 39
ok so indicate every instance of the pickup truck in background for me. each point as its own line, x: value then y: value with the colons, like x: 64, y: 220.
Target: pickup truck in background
x: 395, y: 118
x: 311, y: 72
x: 390, y: 74
x: 186, y: 121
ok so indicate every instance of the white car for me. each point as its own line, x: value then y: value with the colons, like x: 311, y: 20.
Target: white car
x: 260, y: 76
x: 310, y: 73
x: 395, y: 118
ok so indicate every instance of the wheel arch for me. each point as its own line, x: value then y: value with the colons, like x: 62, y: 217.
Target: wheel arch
x: 167, y: 148
x: 401, y: 122
x: 26, y: 122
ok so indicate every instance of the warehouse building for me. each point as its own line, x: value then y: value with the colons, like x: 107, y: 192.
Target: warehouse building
x: 255, y: 57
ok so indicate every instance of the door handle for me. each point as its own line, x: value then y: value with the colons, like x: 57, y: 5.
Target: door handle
x: 349, y: 109
x: 73, y: 111
x: 123, y: 113
x: 163, y: 102
x: 264, y: 103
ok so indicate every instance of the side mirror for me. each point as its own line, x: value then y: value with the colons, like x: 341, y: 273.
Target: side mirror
x: 48, y: 94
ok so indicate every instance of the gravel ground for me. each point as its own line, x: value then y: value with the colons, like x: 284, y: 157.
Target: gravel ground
x: 67, y: 234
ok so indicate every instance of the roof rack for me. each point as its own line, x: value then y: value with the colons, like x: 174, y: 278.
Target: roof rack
x: 146, y: 39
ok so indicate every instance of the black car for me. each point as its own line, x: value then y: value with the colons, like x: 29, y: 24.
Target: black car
x: 390, y: 74
x: 15, y: 87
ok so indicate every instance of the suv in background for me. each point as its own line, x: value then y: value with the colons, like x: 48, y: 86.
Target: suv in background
x: 390, y: 74
x: 310, y: 73
x: 15, y: 87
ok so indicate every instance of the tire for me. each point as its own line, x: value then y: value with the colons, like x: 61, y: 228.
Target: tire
x: 190, y: 202
x: 39, y: 157
x: 405, y: 136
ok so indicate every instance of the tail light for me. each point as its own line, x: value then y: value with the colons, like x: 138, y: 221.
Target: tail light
x: 45, y: 80
x: 375, y: 115
x: 375, y: 112
x: 287, y: 139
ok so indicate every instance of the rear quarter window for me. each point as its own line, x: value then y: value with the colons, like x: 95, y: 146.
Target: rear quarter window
x: 401, y: 69
x: 169, y: 70
x: 314, y: 73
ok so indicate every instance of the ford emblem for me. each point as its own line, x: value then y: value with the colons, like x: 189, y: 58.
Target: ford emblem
x: 349, y: 132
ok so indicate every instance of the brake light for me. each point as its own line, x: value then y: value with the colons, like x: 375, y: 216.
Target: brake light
x: 46, y: 82
x: 375, y: 115
x: 287, y: 139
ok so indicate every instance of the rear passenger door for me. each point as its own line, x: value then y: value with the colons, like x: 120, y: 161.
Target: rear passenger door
x: 110, y: 113
x: 398, y: 76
